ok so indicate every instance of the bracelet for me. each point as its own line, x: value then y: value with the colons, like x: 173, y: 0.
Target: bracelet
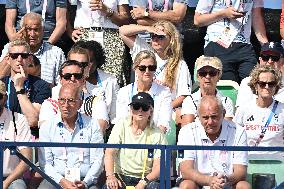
x: 110, y: 174
x: 109, y: 13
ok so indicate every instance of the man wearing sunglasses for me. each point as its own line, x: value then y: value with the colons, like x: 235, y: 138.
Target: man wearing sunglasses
x: 271, y: 54
x: 13, y: 127
x: 209, y: 71
x: 50, y: 56
x: 25, y: 92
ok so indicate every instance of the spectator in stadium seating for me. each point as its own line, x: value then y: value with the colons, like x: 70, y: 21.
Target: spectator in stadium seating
x: 145, y: 66
x: 53, y: 13
x: 72, y: 71
x: 99, y: 20
x: 34, y: 67
x: 15, y: 128
x: 25, y: 92
x: 209, y: 71
x: 100, y: 82
x: 71, y: 167
x: 172, y: 70
x: 148, y: 12
x: 228, y: 33
x: 216, y: 169
x: 271, y: 54
x: 263, y: 117
x: 50, y: 56
x: 124, y: 166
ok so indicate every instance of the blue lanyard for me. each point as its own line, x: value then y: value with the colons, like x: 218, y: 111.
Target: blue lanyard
x: 263, y: 130
x: 132, y: 91
x: 26, y: 87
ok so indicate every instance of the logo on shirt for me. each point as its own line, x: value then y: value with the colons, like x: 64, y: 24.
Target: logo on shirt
x: 251, y: 118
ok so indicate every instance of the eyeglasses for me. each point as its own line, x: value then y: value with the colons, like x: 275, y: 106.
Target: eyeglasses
x: 263, y: 84
x: 156, y: 36
x: 143, y: 68
x: 16, y: 55
x: 137, y: 106
x: 68, y: 76
x: 265, y: 58
x: 211, y: 73
x: 70, y: 101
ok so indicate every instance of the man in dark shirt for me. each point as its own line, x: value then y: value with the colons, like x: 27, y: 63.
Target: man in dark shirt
x: 25, y: 92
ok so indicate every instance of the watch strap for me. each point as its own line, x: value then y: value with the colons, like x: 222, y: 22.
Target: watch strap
x: 22, y: 91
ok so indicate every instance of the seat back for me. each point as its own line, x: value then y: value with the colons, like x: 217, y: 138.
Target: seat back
x: 228, y: 88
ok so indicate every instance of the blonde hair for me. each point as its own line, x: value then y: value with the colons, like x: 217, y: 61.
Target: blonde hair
x: 19, y: 42
x: 78, y: 50
x: 264, y: 69
x: 145, y: 54
x: 173, y: 53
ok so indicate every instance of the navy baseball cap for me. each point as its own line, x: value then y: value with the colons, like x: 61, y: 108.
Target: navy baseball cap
x: 272, y: 47
x: 142, y: 98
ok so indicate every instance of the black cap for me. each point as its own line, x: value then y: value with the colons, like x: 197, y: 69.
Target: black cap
x: 142, y: 98
x: 274, y: 47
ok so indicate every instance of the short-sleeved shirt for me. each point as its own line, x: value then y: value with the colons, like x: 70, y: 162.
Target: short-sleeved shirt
x: 7, y: 133
x: 215, y: 29
x: 190, y: 103
x: 37, y: 90
x: 129, y: 162
x: 50, y: 56
x: 183, y: 79
x: 86, y: 18
x: 37, y: 7
x: 210, y: 161
x: 253, y: 118
x: 162, y: 103
x: 245, y: 93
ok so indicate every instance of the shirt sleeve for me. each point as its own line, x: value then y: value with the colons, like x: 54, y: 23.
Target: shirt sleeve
x: 258, y: 3
x: 11, y: 4
x: 138, y: 3
x: 46, y: 157
x: 96, y: 155
x: 165, y: 113
x: 48, y: 110
x: 184, y: 139
x: 238, y: 118
x: 184, y: 81
x: 99, y: 109
x: 122, y: 108
x: 23, y: 130
x: 61, y: 3
x: 114, y: 90
x: 116, y: 133
x: 42, y: 92
x: 188, y: 106
x: 204, y: 6
x: 240, y: 157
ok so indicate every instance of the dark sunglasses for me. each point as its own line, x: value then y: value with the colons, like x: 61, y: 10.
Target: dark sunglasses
x: 144, y: 107
x: 84, y: 64
x: 16, y: 55
x: 68, y: 76
x: 211, y: 73
x: 156, y: 36
x: 265, y: 58
x: 151, y: 68
x: 1, y: 96
x: 263, y: 84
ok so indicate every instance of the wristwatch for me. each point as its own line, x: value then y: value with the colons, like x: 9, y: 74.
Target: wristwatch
x: 144, y: 181
x: 146, y: 13
x: 110, y: 12
x: 22, y: 91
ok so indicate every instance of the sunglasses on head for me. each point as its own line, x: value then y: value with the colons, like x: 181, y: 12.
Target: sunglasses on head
x: 16, y: 55
x: 143, y: 68
x: 204, y: 73
x: 137, y: 106
x: 263, y: 84
x: 68, y: 76
x: 156, y: 36
x: 274, y: 58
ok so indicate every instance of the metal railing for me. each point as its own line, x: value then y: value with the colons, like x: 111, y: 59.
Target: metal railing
x: 166, y: 154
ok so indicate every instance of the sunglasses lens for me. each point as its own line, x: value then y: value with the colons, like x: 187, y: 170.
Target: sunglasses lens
x: 145, y: 108
x: 211, y: 73
x: 160, y: 37
x: 263, y: 84
x: 136, y: 106
x: 16, y: 55
x: 267, y: 57
x: 78, y: 75
x: 152, y: 68
x: 275, y: 58
x: 142, y: 68
x: 67, y: 76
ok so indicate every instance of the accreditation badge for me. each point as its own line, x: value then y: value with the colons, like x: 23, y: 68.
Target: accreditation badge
x: 227, y: 37
x: 72, y: 174
x: 96, y: 36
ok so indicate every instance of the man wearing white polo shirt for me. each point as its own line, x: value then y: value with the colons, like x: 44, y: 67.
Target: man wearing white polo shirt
x: 217, y: 169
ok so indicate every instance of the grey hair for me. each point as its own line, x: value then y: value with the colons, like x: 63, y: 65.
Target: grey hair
x: 33, y: 16
x: 207, y: 99
x: 19, y: 42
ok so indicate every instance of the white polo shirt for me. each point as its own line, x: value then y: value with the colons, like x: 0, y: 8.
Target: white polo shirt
x: 245, y: 93
x: 208, y: 161
x: 183, y: 79
x: 162, y: 103
x: 190, y: 103
x: 253, y: 118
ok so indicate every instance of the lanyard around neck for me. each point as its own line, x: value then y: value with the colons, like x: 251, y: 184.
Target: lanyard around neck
x: 44, y: 7
x: 26, y: 87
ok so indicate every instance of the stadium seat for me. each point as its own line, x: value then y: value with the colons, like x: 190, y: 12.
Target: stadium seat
x: 229, y: 88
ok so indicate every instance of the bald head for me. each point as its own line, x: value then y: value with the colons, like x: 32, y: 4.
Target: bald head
x: 71, y: 88
x: 210, y: 101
